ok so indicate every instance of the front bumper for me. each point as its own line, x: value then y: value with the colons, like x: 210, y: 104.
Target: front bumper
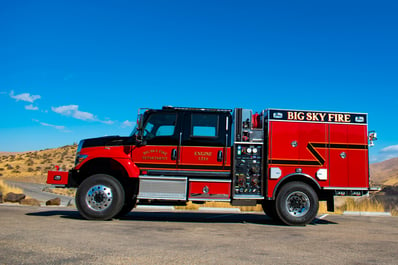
x: 59, y: 179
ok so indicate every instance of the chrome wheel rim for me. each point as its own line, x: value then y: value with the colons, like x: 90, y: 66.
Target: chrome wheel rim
x: 99, y: 197
x: 297, y: 204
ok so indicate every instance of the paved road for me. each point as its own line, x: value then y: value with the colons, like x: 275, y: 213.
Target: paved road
x: 34, y: 235
x: 35, y: 190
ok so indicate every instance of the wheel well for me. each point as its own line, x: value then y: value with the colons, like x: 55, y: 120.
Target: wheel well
x: 104, y: 166
x: 299, y: 177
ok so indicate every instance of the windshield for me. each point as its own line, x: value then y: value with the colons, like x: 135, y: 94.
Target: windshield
x: 135, y: 131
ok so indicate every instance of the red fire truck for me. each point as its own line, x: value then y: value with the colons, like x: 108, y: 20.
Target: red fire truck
x: 286, y: 160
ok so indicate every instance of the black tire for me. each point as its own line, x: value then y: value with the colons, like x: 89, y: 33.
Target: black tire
x: 130, y: 200
x: 127, y: 207
x: 100, y: 197
x: 270, y: 209
x: 297, y: 203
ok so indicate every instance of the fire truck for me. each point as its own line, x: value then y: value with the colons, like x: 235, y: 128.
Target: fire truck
x: 286, y: 160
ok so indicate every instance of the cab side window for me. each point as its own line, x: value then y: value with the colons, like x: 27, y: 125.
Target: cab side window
x: 160, y: 128
x: 205, y: 129
x: 204, y: 125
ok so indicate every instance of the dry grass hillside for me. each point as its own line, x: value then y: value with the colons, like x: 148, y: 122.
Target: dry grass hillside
x: 385, y: 173
x: 33, y: 166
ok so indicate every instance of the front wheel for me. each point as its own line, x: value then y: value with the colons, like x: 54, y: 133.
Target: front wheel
x: 297, y: 203
x: 100, y: 197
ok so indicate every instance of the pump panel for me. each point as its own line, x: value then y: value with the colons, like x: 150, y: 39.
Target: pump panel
x: 248, y: 169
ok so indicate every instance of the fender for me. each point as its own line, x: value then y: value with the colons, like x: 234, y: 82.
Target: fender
x: 132, y: 170
x: 115, y: 153
x: 295, y: 176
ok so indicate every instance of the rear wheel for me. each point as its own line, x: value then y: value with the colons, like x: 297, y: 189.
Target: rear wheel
x: 297, y: 203
x: 100, y: 197
x: 270, y: 209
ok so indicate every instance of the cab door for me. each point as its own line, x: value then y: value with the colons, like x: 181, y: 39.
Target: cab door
x: 205, y: 144
x: 158, y: 154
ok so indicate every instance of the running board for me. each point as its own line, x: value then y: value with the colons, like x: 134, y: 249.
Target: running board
x: 163, y: 188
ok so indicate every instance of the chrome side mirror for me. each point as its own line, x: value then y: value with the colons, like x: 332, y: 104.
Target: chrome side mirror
x: 372, y: 137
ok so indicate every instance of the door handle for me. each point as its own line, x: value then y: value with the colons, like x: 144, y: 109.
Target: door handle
x: 174, y: 154
x: 219, y: 156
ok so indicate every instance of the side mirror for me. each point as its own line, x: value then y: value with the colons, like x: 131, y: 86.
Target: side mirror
x: 139, y: 133
x: 372, y: 137
x: 140, y: 140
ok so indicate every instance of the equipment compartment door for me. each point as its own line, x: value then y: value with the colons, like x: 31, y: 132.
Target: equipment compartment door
x: 338, y: 155
x: 358, y: 168
x: 348, y: 156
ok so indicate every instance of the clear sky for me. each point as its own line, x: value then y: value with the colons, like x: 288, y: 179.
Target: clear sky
x: 77, y: 69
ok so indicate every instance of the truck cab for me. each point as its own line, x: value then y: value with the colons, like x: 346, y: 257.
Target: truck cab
x: 183, y: 148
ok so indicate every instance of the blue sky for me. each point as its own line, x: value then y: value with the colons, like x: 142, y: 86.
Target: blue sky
x: 76, y: 69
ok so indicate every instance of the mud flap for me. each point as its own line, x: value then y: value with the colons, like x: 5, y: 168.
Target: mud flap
x: 330, y: 204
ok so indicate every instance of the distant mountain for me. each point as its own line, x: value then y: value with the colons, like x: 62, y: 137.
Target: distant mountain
x: 385, y: 173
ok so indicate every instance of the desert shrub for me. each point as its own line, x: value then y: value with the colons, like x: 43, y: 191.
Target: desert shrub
x: 363, y: 205
x: 29, y: 162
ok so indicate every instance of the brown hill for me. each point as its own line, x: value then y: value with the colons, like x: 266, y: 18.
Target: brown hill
x: 33, y: 166
x: 385, y: 173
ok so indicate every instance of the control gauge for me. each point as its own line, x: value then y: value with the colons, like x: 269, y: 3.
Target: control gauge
x: 255, y: 150
x: 249, y: 150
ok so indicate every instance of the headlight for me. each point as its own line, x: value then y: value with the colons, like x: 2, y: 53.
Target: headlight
x: 80, y: 158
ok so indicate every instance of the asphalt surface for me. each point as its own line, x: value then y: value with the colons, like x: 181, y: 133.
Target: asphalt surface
x: 44, y: 235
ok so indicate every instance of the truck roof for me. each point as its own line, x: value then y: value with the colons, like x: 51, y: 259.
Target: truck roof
x: 196, y: 109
